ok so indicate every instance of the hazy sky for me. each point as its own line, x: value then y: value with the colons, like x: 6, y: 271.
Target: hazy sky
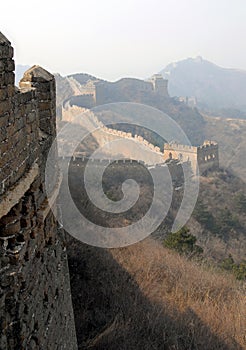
x: 112, y: 38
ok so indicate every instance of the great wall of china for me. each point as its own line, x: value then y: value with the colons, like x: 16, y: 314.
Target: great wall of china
x: 97, y: 92
x: 35, y: 299
x: 201, y: 158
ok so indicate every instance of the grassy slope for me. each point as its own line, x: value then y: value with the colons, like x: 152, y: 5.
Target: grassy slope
x: 218, y: 194
x: 146, y: 297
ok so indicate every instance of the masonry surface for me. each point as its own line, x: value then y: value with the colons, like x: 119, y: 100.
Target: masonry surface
x: 201, y: 158
x: 35, y: 301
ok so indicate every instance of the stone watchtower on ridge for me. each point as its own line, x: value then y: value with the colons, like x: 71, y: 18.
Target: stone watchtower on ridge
x: 35, y: 302
x: 201, y: 158
x: 160, y: 85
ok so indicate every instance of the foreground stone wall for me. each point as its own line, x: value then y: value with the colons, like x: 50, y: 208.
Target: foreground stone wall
x: 35, y: 302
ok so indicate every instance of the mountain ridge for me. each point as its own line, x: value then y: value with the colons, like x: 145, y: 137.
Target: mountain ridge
x: 213, y: 86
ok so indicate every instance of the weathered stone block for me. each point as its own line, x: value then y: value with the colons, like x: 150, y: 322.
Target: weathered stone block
x: 5, y: 106
x: 9, y: 78
x: 11, y: 229
x: 31, y: 117
x: 8, y: 219
x: 3, y: 122
x: 10, y: 65
x: 5, y: 52
x: 11, y: 90
x: 3, y: 93
x: 44, y: 106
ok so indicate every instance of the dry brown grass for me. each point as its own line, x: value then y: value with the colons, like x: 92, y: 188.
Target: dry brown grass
x: 169, y: 279
x: 146, y: 297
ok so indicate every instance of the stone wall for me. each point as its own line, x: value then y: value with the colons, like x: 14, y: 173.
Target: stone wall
x: 202, y: 158
x: 208, y: 156
x: 35, y: 302
x: 108, y: 140
x: 84, y: 101
x: 123, y: 90
x: 160, y: 85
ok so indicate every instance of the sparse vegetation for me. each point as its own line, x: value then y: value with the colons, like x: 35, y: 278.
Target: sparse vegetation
x: 147, y: 297
x: 238, y: 270
x: 240, y: 202
x: 226, y: 221
x: 183, y: 242
x: 205, y: 217
x: 221, y: 224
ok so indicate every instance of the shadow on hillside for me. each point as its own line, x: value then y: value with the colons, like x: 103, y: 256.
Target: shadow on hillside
x: 112, y: 313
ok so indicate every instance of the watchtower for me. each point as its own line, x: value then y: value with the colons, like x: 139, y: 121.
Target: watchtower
x: 201, y: 158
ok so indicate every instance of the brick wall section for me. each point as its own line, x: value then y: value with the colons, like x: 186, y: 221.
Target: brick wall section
x: 44, y: 82
x: 35, y: 301
x: 18, y: 128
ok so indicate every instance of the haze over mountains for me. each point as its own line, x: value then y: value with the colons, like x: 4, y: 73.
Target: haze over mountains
x: 213, y: 86
x: 216, y: 89
x: 71, y: 89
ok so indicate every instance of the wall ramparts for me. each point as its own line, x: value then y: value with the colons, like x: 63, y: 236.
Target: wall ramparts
x: 202, y: 158
x: 35, y: 301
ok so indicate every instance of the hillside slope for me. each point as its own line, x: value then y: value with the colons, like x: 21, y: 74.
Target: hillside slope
x: 218, y: 221
x: 231, y: 137
x: 145, y: 297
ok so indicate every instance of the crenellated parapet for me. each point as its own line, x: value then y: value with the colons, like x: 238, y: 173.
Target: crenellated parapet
x: 179, y: 147
x: 44, y: 83
x: 201, y: 158
x: 123, y: 134
x: 98, y: 92
x: 160, y: 85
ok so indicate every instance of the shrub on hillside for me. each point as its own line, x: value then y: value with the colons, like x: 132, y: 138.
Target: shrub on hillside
x: 238, y: 270
x: 205, y: 218
x: 221, y: 224
x: 183, y: 242
x: 226, y: 221
x: 240, y: 202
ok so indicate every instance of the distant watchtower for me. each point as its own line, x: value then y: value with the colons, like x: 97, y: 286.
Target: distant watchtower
x: 159, y: 84
x: 201, y: 158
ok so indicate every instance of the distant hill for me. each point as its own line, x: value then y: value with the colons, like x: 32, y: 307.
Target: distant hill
x: 231, y: 136
x: 213, y: 86
x: 83, y: 78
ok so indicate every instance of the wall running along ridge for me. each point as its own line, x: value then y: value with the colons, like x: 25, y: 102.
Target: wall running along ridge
x: 201, y: 158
